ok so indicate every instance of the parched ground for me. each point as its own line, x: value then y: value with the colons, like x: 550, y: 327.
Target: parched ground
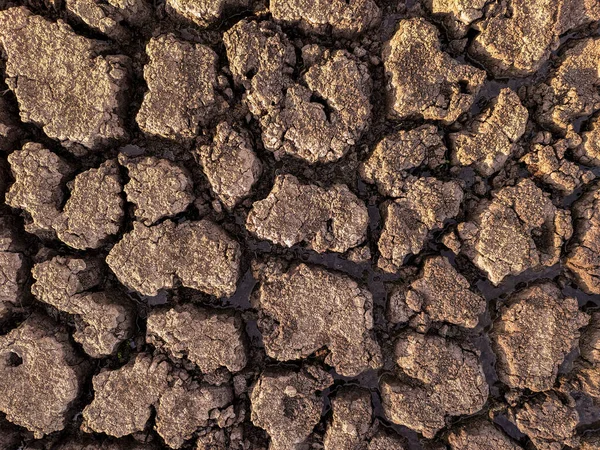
x: 300, y: 224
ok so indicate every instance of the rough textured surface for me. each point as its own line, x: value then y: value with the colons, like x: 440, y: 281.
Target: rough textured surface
x: 584, y: 258
x: 13, y: 277
x: 338, y: 17
x: 480, y: 435
x: 548, y: 421
x: 305, y: 308
x: 206, y: 12
x: 230, y: 164
x: 123, y: 398
x: 397, y: 156
x: 517, y: 37
x: 41, y: 375
x: 39, y: 175
x: 300, y: 225
x: 535, y: 331
x: 424, y: 81
x: 326, y: 219
x: 182, y: 88
x: 519, y: 229
x: 589, y: 151
x: 113, y: 17
x: 491, y: 136
x: 199, y: 255
x: 456, y: 15
x: 210, y: 339
x: 442, y: 293
x: 352, y: 417
x: 182, y: 410
x: 572, y: 90
x: 158, y: 187
x: 94, y: 210
x: 64, y: 82
x: 317, y: 119
x: 286, y: 405
x: 444, y: 380
x: 423, y: 207
x: 104, y: 319
x: 549, y: 164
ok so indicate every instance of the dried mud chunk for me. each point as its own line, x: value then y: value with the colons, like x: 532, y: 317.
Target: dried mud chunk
x: 39, y: 175
x: 322, y: 121
x: 491, y: 136
x: 584, y: 257
x: 262, y: 59
x: 94, y: 210
x: 423, y: 207
x: 519, y: 229
x: 64, y: 82
x: 305, y: 308
x: 480, y: 435
x: 209, y: 339
x: 158, y: 187
x: 230, y: 164
x: 548, y: 163
x: 286, y: 406
x: 423, y: 80
x: 444, y: 294
x: 182, y: 88
x: 10, y: 133
x: 339, y: 17
x: 182, y: 410
x: 198, y: 254
x: 447, y: 380
x: 327, y: 219
x: 205, y: 12
x: 61, y: 278
x: 112, y: 17
x: 517, y: 37
x: 123, y: 398
x: 548, y: 422
x: 589, y: 151
x: 385, y: 441
x: 13, y: 276
x: 572, y: 91
x: 103, y: 319
x: 396, y: 155
x: 535, y: 331
x: 352, y: 418
x: 40, y: 376
x: 456, y: 15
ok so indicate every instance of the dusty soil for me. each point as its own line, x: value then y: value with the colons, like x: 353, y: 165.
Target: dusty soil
x: 300, y: 224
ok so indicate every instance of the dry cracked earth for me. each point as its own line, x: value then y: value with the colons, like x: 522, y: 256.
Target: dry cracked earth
x: 300, y: 224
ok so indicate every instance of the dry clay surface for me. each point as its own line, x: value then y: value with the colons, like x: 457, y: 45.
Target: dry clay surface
x: 300, y: 224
